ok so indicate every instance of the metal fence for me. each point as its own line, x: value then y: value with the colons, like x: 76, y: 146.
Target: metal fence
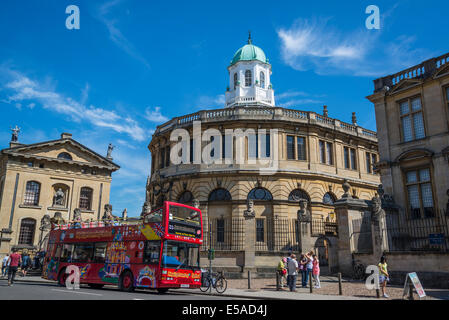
x: 426, y: 234
x: 321, y: 227
x: 227, y: 234
x: 277, y: 235
x: 361, y: 238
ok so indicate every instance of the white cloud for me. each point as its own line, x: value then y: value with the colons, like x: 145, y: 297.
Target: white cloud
x: 290, y: 98
x: 155, y: 115
x: 115, y: 34
x: 316, y: 45
x: 208, y: 102
x: 22, y: 89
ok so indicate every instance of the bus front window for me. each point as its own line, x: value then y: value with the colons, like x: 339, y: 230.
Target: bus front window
x: 181, y: 255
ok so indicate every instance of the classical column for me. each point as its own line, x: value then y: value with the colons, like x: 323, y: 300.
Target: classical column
x: 250, y: 237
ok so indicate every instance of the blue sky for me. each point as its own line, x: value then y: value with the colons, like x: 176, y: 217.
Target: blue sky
x: 135, y: 64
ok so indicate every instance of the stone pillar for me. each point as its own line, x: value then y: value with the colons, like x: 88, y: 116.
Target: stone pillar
x: 346, y: 209
x: 250, y: 238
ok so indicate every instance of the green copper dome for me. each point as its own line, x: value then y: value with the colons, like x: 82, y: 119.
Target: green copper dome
x: 249, y: 52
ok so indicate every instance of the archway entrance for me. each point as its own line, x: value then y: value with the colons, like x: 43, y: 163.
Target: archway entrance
x: 323, y: 251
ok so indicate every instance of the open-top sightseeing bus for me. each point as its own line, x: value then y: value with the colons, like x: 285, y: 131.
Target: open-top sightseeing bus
x: 160, y: 251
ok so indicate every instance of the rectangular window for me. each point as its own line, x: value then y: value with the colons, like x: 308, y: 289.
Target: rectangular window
x: 167, y: 156
x: 151, y: 252
x: 100, y: 252
x: 268, y: 145
x: 223, y: 146
x: 412, y: 120
x: 373, y: 161
x: 253, y: 146
x: 66, y: 255
x: 368, y: 163
x: 83, y: 252
x: 163, y: 158
x: 330, y: 154
x: 420, y: 196
x: 301, y: 146
x: 322, y: 152
x: 353, y: 160
x: 220, y: 230
x: 260, y: 230
x: 290, y: 147
x: 346, y: 155
x: 192, y: 151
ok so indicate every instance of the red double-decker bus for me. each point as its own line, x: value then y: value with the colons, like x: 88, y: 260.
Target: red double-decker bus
x: 159, y: 251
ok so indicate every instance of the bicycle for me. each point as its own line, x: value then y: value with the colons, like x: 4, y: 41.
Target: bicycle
x: 216, y: 280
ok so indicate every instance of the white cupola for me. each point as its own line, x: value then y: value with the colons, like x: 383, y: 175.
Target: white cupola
x: 249, y: 78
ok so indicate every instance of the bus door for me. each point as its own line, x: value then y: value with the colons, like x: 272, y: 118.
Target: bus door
x: 148, y: 272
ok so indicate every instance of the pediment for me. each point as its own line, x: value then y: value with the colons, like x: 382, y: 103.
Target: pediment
x: 414, y: 154
x: 405, y: 84
x: 52, y: 150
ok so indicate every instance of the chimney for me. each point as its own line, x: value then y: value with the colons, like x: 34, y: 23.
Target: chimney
x: 66, y: 135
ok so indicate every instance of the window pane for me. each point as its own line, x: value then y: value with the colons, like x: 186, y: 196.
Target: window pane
x: 301, y: 148
x: 83, y: 252
x: 368, y: 163
x: 265, y: 145
x: 220, y: 230
x: 248, y: 78
x: 252, y: 146
x: 330, y: 159
x: 100, y: 252
x: 416, y: 104
x: 407, y: 129
x: 353, y: 160
x: 424, y: 175
x: 260, y: 230
x: 290, y: 148
x: 151, y: 252
x: 427, y: 198
x: 262, y: 80
x: 411, y: 177
x: 404, y: 108
x: 346, y: 152
x: 413, y: 196
x: 32, y: 193
x: 27, y: 228
x: 322, y: 152
x: 419, y: 126
x: 86, y: 198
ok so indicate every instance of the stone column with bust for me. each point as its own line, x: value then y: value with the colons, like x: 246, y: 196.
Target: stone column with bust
x: 304, y: 218
x: 250, y: 237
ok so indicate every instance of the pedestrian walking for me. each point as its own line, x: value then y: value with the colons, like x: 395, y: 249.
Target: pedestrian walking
x: 316, y: 271
x: 302, y: 268
x: 292, y: 269
x: 5, y: 265
x: 26, y: 263
x: 384, y: 277
x: 282, y: 270
x: 14, y: 262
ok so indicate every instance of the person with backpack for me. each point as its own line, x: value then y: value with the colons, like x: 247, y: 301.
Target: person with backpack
x: 26, y: 263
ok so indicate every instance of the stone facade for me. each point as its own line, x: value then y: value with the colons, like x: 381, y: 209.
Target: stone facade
x: 412, y: 115
x: 40, y: 180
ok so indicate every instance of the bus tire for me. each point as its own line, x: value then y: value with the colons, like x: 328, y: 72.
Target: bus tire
x: 96, y: 285
x: 126, y: 282
x: 162, y: 290
x: 62, y: 277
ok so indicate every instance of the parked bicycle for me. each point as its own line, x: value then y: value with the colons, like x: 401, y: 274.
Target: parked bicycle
x: 216, y: 280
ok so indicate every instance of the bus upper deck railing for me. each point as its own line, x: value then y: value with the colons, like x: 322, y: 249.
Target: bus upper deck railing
x: 96, y: 224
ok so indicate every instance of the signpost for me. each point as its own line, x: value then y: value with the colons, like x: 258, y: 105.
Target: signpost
x: 411, y: 281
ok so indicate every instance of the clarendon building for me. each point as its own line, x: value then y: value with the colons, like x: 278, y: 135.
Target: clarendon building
x: 48, y: 180
x: 250, y: 195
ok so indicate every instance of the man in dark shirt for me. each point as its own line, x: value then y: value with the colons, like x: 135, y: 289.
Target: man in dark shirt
x: 14, y: 261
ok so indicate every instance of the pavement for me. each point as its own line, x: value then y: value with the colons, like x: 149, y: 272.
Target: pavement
x: 301, y: 294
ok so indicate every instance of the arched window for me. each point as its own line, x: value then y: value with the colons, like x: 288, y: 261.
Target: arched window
x: 33, y: 190
x: 27, y: 229
x: 260, y: 194
x: 65, y: 156
x: 329, y: 198
x: 185, y: 197
x: 262, y: 79
x: 236, y: 79
x: 248, y: 78
x: 220, y: 195
x: 298, y: 194
x: 86, y: 198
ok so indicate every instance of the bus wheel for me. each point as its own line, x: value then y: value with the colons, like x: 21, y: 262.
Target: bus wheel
x: 126, y: 282
x: 162, y: 290
x: 62, y: 277
x: 96, y: 285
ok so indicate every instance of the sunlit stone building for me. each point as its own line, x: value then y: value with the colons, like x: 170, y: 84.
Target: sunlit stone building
x: 313, y: 155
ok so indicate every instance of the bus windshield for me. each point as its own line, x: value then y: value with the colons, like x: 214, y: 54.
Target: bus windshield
x: 181, y: 255
x: 178, y: 213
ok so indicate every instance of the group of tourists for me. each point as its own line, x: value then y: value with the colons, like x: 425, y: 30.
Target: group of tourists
x: 308, y: 265
x: 12, y: 262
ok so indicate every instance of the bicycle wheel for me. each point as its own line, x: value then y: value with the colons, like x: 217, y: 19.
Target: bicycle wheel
x: 206, y: 285
x: 221, y: 284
